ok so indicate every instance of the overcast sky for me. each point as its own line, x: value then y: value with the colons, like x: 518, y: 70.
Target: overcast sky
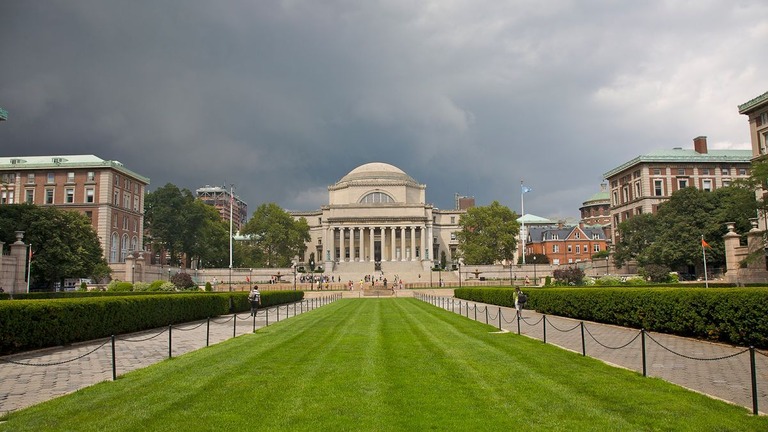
x: 284, y: 98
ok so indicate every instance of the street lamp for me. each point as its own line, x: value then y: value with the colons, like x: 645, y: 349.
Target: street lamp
x: 534, y: 270
x: 250, y: 277
x: 458, y: 263
x: 133, y: 271
x: 169, y: 273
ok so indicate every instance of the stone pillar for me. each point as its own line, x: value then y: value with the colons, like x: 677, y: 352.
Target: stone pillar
x: 413, y: 243
x: 342, y: 245
x: 402, y: 243
x: 353, y: 255
x: 756, y: 246
x: 731, y: 242
x: 129, y: 275
x: 372, y: 250
x: 141, y: 271
x: 19, y: 251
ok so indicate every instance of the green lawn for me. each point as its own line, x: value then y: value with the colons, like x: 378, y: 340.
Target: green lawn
x: 380, y: 365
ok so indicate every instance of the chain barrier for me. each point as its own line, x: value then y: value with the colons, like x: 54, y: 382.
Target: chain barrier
x: 493, y: 318
x: 761, y: 353
x: 522, y: 318
x: 249, y: 316
x: 144, y: 339
x: 191, y: 328
x: 610, y: 347
x: 694, y: 358
x: 222, y: 322
x: 509, y: 322
x: 551, y: 324
x: 59, y: 362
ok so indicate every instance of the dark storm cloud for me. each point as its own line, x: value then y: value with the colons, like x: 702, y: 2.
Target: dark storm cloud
x: 284, y: 98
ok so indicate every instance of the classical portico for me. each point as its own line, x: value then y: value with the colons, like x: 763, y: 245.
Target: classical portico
x: 375, y: 214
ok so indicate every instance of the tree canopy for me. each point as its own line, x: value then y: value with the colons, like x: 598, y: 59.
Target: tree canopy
x: 488, y: 234
x: 275, y: 238
x: 64, y: 243
x: 673, y: 235
x: 180, y: 224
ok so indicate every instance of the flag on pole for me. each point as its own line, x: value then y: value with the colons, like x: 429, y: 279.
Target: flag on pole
x: 705, y: 244
x: 525, y: 189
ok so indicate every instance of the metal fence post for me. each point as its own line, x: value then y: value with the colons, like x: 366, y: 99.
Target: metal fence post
x: 170, y: 328
x: 266, y: 313
x: 234, y: 325
x: 754, y: 379
x: 518, y: 321
x: 499, y: 318
x: 114, y: 361
x: 208, y: 331
x: 254, y: 318
x: 583, y: 342
x: 645, y: 370
x: 475, y: 311
x: 278, y: 313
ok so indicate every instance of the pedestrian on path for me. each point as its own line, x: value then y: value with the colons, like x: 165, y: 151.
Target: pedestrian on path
x: 255, y: 298
x: 520, y: 300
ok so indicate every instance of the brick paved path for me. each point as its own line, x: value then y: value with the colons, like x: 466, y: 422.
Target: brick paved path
x: 61, y: 372
x: 686, y: 362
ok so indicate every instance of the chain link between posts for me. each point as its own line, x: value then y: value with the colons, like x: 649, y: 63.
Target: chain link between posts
x: 59, y: 362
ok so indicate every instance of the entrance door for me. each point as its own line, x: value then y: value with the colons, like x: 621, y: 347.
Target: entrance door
x: 377, y: 250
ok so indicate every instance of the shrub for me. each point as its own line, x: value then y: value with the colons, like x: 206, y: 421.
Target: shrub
x: 155, y: 285
x: 141, y: 286
x: 608, y: 281
x: 117, y: 285
x: 83, y: 286
x: 569, y: 276
x: 656, y: 273
x: 182, y: 281
x: 208, y: 287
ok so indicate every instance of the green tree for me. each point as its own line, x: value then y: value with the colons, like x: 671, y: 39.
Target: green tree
x: 635, y: 235
x: 179, y: 224
x: 64, y: 243
x: 488, y: 234
x: 276, y: 236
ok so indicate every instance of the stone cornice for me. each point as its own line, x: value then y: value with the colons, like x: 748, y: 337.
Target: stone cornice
x: 763, y: 98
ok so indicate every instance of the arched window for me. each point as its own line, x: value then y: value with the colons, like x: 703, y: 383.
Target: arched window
x: 377, y: 198
x: 113, y: 248
x: 134, y: 243
x: 124, y: 248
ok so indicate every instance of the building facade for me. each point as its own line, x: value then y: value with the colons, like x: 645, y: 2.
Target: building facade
x: 756, y: 111
x: 223, y: 199
x: 106, y: 192
x: 566, y: 245
x: 596, y: 211
x: 641, y: 184
x: 377, y: 218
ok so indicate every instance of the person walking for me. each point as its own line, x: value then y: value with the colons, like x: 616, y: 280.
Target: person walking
x: 254, y: 297
x: 520, y: 299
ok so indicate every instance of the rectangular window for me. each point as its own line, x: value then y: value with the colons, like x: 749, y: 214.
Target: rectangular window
x: 51, y: 178
x: 89, y: 195
x: 742, y: 171
x: 706, y: 185
x: 570, y: 249
x: 91, y: 176
x: 114, y: 220
x: 70, y: 177
x: 615, y: 198
x: 726, y: 171
x: 555, y: 248
x: 69, y: 195
x: 31, y: 178
x: 705, y: 171
x: 657, y: 171
x: 578, y: 249
x: 726, y: 183
x: 136, y: 203
x: 453, y: 219
x: 682, y: 183
x: 29, y: 196
x: 453, y: 236
x: 624, y: 194
x: 117, y: 180
x: 125, y: 223
x: 596, y: 248
x: 637, y: 190
x: 116, y: 198
x: 136, y: 227
x: 658, y: 189
x: 126, y: 200
x: 49, y: 196
x: 6, y: 197
x: 681, y: 171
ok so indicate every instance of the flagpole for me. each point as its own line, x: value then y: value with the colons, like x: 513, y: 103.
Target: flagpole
x: 704, y: 254
x: 231, y: 204
x: 522, y: 210
x: 29, y: 266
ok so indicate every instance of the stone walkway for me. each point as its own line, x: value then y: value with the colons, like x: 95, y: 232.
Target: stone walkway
x: 32, y: 377
x: 49, y: 373
x: 718, y: 370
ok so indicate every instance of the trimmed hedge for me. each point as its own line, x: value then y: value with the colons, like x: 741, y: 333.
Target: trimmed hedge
x: 732, y: 315
x: 33, y: 324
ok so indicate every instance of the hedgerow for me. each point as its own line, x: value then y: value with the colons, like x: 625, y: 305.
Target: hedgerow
x: 32, y: 324
x: 730, y: 315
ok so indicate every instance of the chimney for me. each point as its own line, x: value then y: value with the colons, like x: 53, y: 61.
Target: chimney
x: 700, y: 144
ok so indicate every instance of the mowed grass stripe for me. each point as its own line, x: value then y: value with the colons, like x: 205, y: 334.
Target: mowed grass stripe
x: 383, y: 364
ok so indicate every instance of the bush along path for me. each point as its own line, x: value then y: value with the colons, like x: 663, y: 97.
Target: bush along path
x: 735, y: 374
x: 33, y: 377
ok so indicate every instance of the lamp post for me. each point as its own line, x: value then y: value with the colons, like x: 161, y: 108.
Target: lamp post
x: 250, y: 277
x: 458, y: 264
x: 534, y: 270
x: 133, y: 272
x: 511, y: 281
x: 169, y: 273
x: 294, y: 276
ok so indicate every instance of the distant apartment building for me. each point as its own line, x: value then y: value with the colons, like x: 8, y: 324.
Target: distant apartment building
x: 641, y: 184
x: 565, y: 244
x: 223, y: 199
x: 105, y: 191
x: 757, y: 112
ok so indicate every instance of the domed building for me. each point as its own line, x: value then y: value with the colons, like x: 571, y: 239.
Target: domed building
x: 596, y: 211
x: 377, y: 217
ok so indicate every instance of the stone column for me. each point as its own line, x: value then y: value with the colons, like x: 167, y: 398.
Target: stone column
x: 342, y: 245
x: 413, y: 243
x: 371, y: 256
x: 141, y: 274
x: 755, y: 245
x: 20, y: 252
x: 731, y: 241
x: 352, y: 249
x: 392, y: 247
x: 430, y: 242
x: 402, y: 243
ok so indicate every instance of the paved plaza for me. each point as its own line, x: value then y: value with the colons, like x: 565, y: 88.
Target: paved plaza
x: 718, y: 370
